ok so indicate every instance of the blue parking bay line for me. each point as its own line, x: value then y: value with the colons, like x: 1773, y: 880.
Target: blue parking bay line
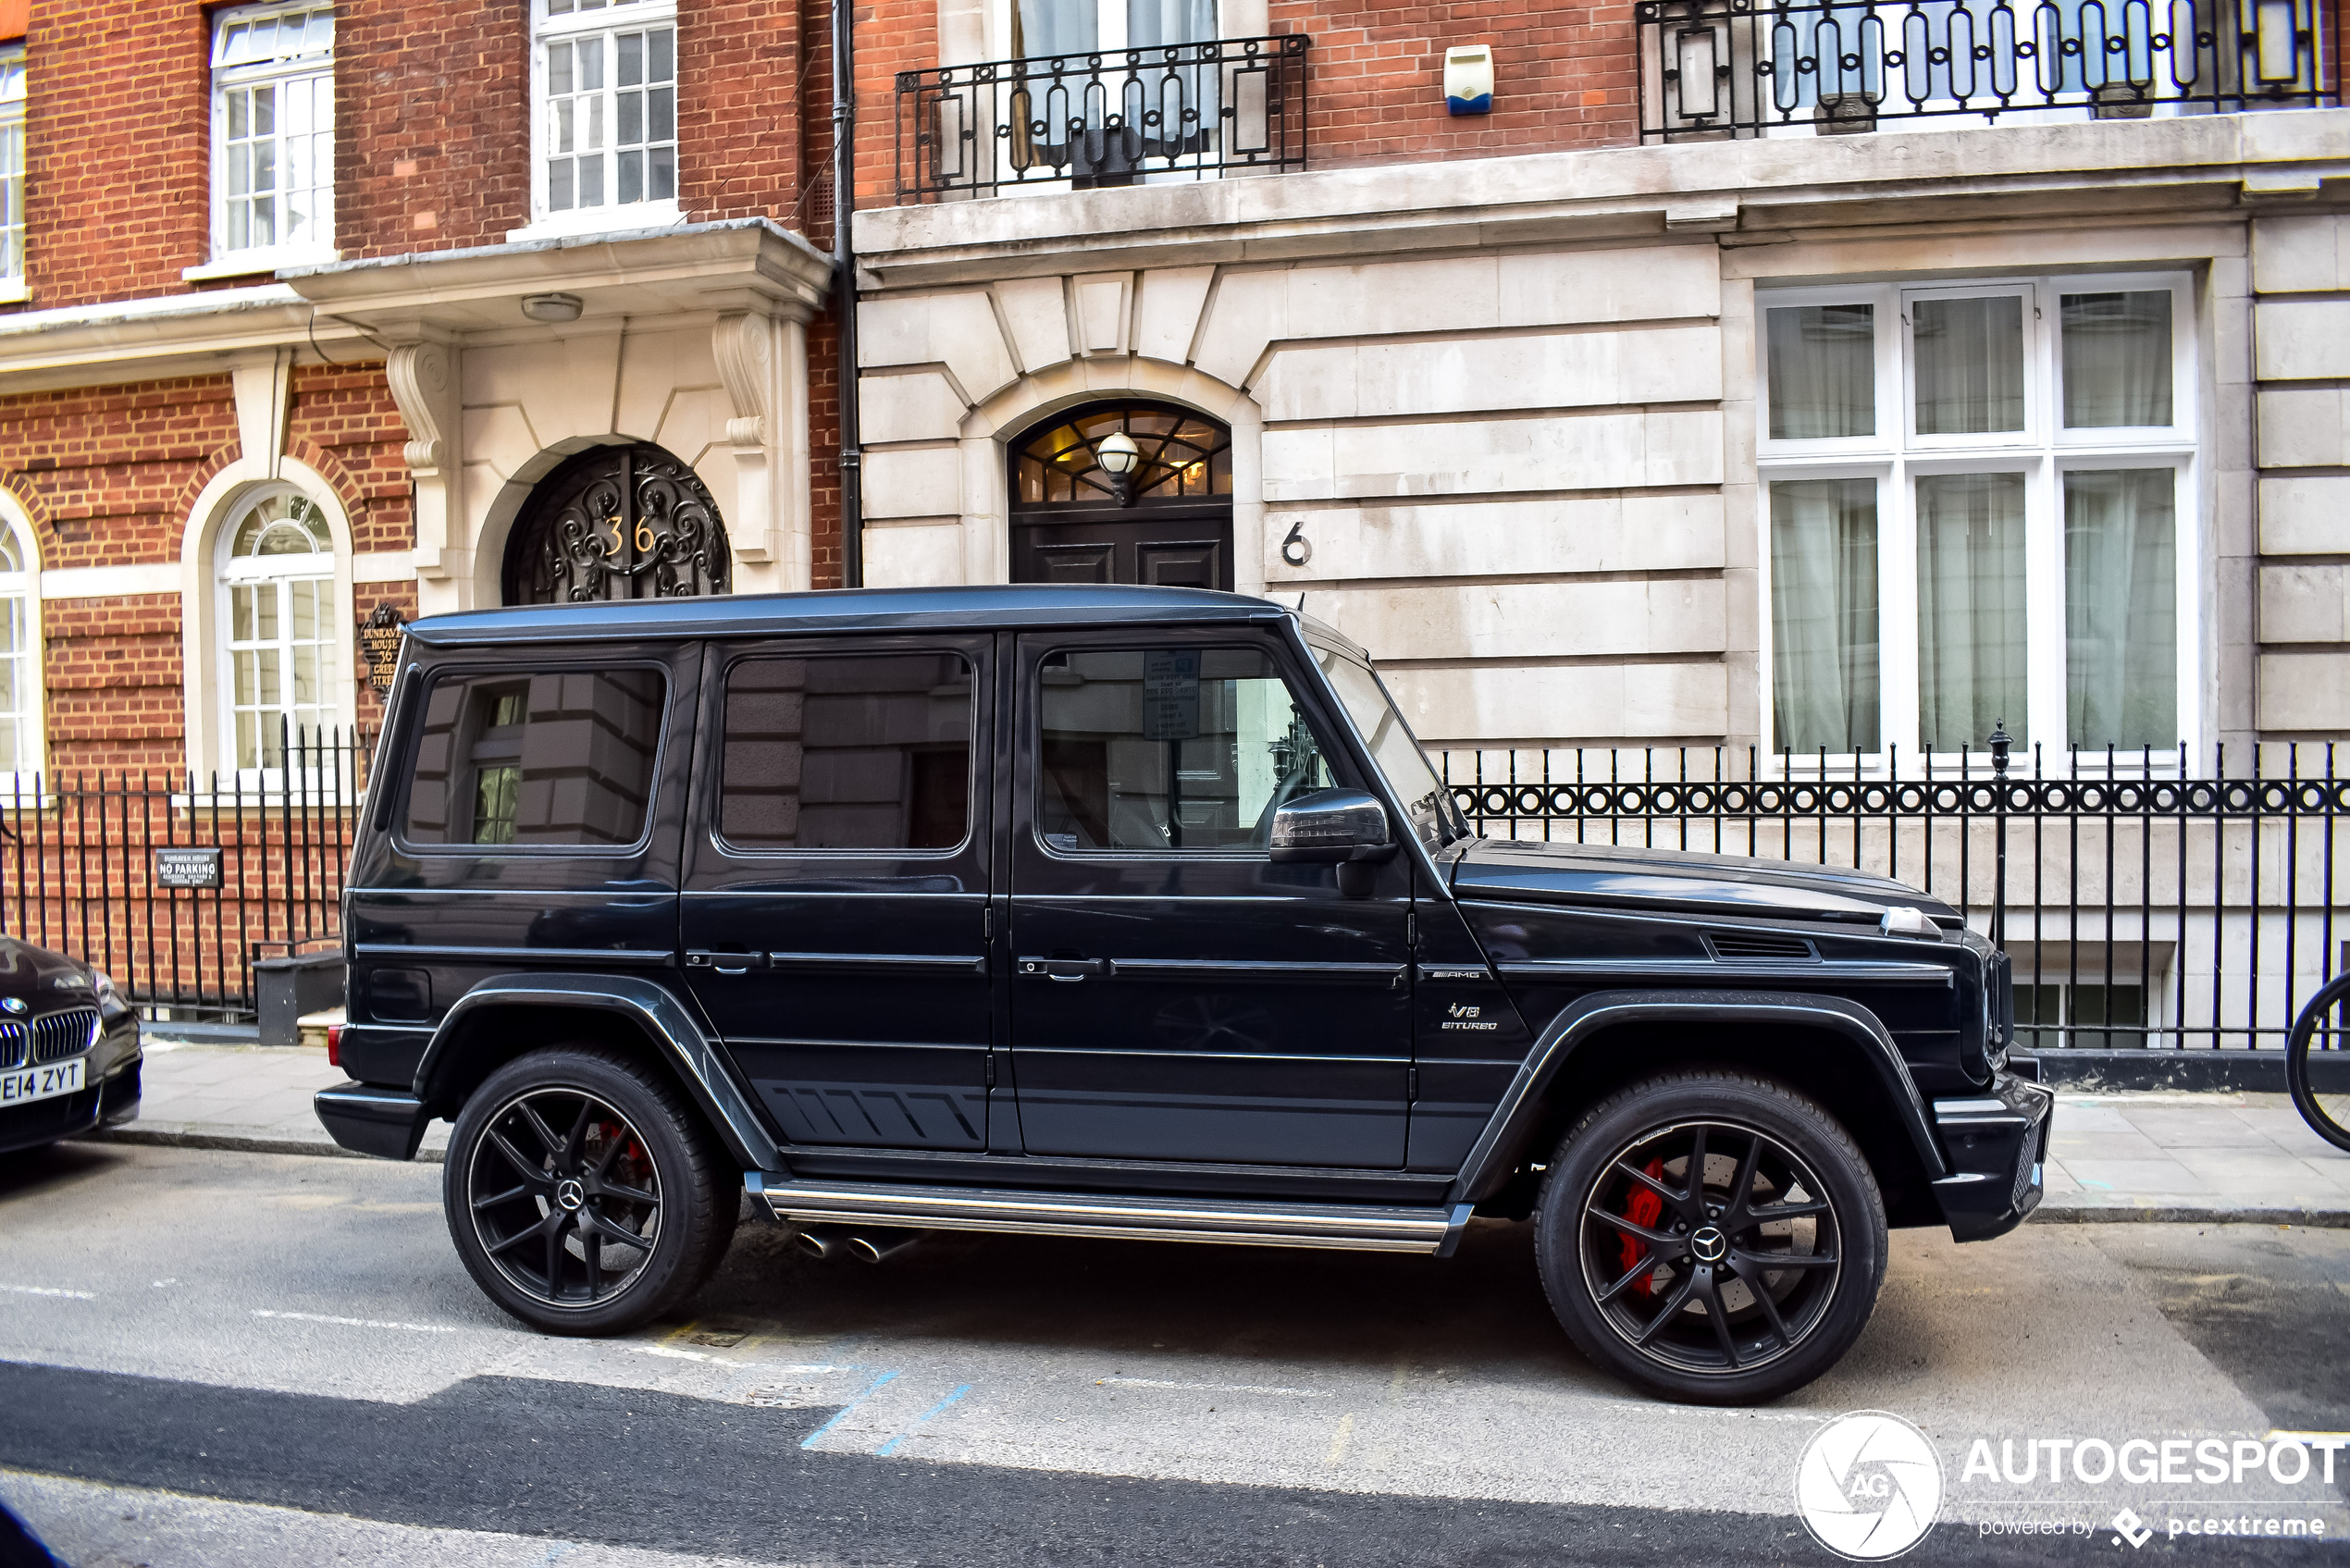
x: 891, y: 1447
x: 842, y: 1413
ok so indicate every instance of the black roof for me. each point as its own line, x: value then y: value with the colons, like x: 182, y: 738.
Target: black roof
x: 849, y: 610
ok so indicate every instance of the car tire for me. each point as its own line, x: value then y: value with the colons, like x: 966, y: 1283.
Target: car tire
x: 584, y: 1195
x: 1671, y: 1285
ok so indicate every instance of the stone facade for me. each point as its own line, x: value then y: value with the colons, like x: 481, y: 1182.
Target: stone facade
x: 1511, y: 404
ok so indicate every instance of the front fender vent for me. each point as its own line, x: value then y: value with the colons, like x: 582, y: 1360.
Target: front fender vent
x: 1746, y: 946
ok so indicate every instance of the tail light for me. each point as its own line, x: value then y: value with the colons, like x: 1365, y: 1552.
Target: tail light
x: 334, y: 1044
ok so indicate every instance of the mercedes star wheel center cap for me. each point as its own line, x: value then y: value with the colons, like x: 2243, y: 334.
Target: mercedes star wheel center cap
x: 570, y: 1193
x: 1708, y: 1244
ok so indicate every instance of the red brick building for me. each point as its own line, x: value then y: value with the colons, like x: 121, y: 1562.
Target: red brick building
x: 317, y: 305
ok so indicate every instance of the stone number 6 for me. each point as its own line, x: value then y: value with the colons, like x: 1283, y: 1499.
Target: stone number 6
x: 1296, y: 548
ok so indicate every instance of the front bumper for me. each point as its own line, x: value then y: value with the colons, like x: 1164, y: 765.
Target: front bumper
x: 109, y: 1096
x: 367, y: 1118
x: 1997, y: 1143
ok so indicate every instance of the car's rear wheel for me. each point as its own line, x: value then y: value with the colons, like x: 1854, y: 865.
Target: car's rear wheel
x: 1710, y: 1237
x: 582, y: 1192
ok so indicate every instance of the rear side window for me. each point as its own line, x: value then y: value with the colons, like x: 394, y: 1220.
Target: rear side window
x: 847, y: 751
x: 560, y: 758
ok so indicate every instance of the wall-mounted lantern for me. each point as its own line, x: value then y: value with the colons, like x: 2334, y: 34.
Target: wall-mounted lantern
x: 380, y: 642
x: 1119, y: 457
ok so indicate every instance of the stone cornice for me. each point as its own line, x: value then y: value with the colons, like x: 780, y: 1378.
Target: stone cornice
x: 2208, y: 162
x: 356, y: 310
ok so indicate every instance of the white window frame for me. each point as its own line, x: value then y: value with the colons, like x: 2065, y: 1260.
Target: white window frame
x: 2043, y: 451
x: 25, y: 779
x: 226, y: 261
x: 12, y: 288
x: 609, y: 17
x: 232, y: 571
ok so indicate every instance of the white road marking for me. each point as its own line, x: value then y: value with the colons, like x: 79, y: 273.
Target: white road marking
x: 49, y: 1290
x: 355, y: 1322
x: 1212, y: 1387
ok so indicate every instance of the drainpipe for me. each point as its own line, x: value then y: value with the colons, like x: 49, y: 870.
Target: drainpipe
x: 852, y: 539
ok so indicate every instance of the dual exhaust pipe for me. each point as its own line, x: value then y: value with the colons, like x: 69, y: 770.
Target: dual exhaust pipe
x: 865, y: 1246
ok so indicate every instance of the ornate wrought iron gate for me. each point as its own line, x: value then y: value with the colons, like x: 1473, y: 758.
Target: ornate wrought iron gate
x: 618, y: 523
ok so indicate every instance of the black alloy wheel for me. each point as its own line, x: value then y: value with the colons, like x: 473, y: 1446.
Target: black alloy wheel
x: 1711, y: 1235
x: 582, y: 1194
x: 559, y: 1179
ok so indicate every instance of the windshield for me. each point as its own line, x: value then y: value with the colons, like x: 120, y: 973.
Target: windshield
x: 1434, y: 816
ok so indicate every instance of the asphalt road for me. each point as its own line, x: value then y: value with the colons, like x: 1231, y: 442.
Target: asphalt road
x: 214, y: 1358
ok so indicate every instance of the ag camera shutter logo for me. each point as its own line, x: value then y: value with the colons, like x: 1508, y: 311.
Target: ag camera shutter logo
x: 1868, y: 1486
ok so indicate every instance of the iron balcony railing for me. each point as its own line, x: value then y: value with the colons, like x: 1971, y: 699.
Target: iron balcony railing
x: 1117, y: 116
x: 1710, y: 69
x: 2140, y: 906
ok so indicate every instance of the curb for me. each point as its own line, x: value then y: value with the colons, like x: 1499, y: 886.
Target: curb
x: 2194, y: 1070
x: 236, y: 1143
x: 2189, y: 1213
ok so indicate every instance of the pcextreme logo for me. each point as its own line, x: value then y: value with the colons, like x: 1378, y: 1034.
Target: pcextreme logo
x: 1868, y: 1486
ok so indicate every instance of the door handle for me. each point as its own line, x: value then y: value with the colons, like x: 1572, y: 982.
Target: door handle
x: 726, y: 963
x: 1066, y: 968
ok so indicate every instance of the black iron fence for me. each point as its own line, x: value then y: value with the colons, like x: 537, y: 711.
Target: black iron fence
x: 1752, y: 68
x: 174, y: 884
x: 1117, y: 117
x: 2141, y: 907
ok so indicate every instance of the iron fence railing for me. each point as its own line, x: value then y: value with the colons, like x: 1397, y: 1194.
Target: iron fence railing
x: 173, y: 885
x: 1750, y: 68
x: 1115, y: 117
x: 2140, y: 906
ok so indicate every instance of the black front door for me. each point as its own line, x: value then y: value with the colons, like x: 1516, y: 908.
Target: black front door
x: 1127, y: 492
x: 835, y: 883
x: 1175, y: 994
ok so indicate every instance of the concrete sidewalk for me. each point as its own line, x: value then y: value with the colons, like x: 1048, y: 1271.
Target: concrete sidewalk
x: 2214, y: 1157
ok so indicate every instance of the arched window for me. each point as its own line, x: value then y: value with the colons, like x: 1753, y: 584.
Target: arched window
x: 1158, y: 510
x: 20, y: 655
x: 277, y: 581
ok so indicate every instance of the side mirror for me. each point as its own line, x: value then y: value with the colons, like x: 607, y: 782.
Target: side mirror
x: 1330, y: 827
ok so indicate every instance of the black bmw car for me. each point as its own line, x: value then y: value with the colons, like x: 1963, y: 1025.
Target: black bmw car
x: 70, y: 1050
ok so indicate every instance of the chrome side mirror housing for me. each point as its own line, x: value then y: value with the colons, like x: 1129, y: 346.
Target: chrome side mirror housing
x: 1330, y: 827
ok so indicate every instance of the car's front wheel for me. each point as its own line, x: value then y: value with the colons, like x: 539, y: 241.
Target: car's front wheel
x: 1711, y: 1237
x: 582, y: 1192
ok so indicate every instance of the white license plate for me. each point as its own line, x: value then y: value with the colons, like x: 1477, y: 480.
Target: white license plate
x: 24, y: 1086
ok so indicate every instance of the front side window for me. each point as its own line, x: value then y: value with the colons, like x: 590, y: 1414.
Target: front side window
x: 277, y: 578
x: 547, y: 759
x: 605, y: 86
x: 272, y: 129
x: 1169, y: 750
x: 847, y: 751
x: 12, y: 166
x: 1974, y: 503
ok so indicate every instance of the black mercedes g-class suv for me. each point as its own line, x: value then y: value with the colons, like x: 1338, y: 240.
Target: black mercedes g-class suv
x: 1124, y: 912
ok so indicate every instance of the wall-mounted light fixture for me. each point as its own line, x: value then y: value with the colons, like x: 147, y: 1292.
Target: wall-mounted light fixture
x: 552, y: 307
x: 1119, y: 457
x: 1468, y: 79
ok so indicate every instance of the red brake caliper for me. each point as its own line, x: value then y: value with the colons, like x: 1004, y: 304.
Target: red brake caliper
x: 1644, y: 1209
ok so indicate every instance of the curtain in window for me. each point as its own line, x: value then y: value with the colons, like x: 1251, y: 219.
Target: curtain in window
x: 1055, y: 27
x: 1969, y: 361
x: 2120, y: 608
x: 1971, y: 632
x: 1823, y: 614
x: 1822, y: 371
x: 2117, y: 359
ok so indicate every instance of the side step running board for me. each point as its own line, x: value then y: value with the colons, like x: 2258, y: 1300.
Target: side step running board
x: 1360, y: 1229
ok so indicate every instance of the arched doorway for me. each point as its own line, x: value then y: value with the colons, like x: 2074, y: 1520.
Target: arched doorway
x: 617, y: 523
x: 1169, y: 521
